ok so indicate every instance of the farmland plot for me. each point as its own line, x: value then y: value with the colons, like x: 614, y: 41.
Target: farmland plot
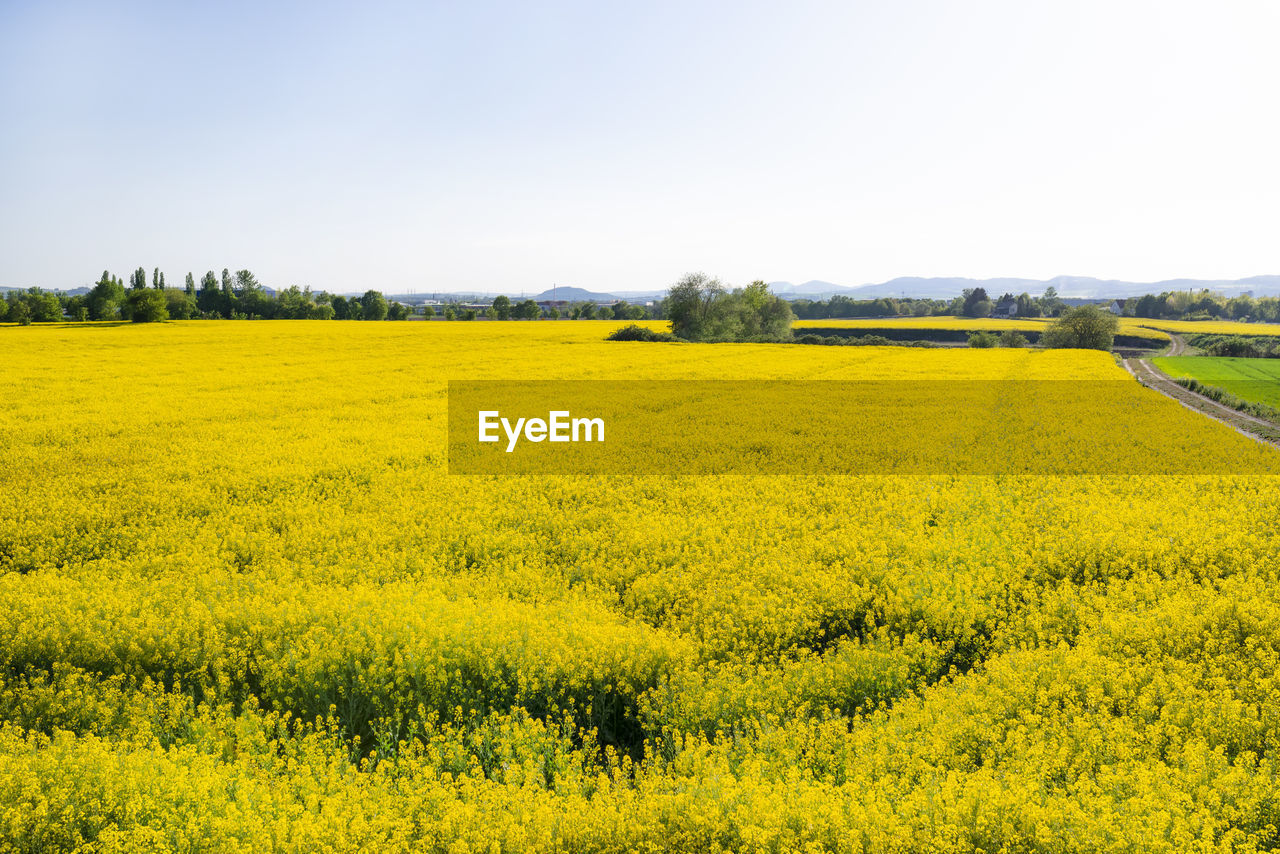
x: 244, y: 607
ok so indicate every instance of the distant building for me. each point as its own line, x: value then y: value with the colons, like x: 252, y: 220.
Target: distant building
x: 1117, y: 306
x: 1006, y: 308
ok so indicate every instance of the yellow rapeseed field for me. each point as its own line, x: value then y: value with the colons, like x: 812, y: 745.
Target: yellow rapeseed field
x: 974, y: 324
x: 1128, y: 326
x: 1211, y: 327
x: 244, y: 607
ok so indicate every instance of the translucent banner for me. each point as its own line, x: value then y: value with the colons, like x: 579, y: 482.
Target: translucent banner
x: 680, y: 427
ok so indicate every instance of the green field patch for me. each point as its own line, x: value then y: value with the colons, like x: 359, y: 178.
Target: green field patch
x: 1255, y: 380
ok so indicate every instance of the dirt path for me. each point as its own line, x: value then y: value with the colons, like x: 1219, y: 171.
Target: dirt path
x: 1177, y: 347
x: 1255, y: 428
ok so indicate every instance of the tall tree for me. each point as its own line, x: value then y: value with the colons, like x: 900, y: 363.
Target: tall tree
x: 374, y: 305
x: 976, y: 302
x: 106, y: 298
x: 138, y: 280
x: 252, y: 296
x: 191, y: 285
x: 228, y: 306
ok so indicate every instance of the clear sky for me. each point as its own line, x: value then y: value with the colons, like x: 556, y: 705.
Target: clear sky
x: 615, y: 146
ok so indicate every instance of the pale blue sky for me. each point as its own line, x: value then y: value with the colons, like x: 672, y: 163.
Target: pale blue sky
x: 509, y: 146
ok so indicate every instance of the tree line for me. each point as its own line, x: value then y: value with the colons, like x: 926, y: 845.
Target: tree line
x: 976, y: 302
x: 973, y: 302
x: 1203, y: 305
x: 230, y: 296
x: 239, y: 295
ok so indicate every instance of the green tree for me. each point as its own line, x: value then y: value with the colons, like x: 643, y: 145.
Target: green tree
x: 228, y: 303
x: 1050, y: 303
x: 374, y: 306
x: 700, y: 309
x: 982, y: 340
x: 397, y: 311
x: 428, y: 312
x: 294, y: 303
x: 624, y: 311
x: 760, y: 314
x: 502, y: 307
x: 209, y: 298
x: 106, y: 298
x: 690, y: 306
x: 1085, y: 327
x: 341, y: 308
x: 148, y: 306
x: 1012, y: 338
x: 191, y: 285
x: 448, y: 313
x: 179, y: 305
x: 976, y: 302
x: 45, y: 307
x: 138, y: 280
x: 528, y: 310
x: 19, y: 313
x: 252, y: 297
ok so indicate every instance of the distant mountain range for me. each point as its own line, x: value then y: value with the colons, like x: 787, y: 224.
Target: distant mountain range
x: 575, y: 295
x: 1078, y: 287
x: 1068, y: 287
x: 1082, y: 287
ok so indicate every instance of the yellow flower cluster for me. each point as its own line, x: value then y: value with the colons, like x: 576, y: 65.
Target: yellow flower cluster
x: 244, y: 607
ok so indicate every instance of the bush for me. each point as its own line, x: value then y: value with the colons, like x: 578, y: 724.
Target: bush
x: 1012, y: 338
x: 634, y: 332
x: 983, y: 340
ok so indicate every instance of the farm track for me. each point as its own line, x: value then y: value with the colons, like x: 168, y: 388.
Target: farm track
x: 1144, y: 372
